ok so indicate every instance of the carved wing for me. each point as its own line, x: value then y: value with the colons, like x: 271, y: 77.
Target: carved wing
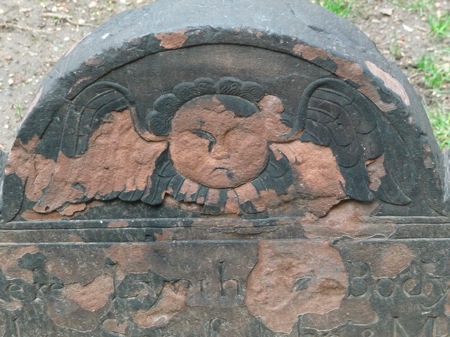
x: 333, y: 113
x: 87, y: 111
x: 104, y: 152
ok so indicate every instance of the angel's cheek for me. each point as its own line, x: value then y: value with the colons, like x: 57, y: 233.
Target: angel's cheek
x: 188, y: 153
x: 248, y: 154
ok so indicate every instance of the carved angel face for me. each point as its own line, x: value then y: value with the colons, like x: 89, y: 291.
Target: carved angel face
x: 219, y: 141
x: 219, y: 146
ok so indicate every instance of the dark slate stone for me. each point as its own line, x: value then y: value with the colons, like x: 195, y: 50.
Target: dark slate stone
x: 237, y: 168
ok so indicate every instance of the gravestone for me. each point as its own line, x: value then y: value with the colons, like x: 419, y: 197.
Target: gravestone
x: 200, y: 168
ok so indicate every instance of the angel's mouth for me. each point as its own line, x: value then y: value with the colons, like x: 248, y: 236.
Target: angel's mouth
x: 227, y: 171
x: 221, y: 169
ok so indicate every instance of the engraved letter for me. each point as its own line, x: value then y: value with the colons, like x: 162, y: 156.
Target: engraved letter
x: 426, y: 331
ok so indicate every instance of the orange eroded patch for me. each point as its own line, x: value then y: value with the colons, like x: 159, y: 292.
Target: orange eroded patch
x: 92, y: 296
x: 117, y: 224
x: 9, y: 262
x: 267, y: 199
x: 172, y: 301
x: 117, y: 159
x: 13, y: 305
x: 394, y: 259
x: 172, y: 40
x: 447, y: 306
x: 386, y: 260
x: 164, y: 235
x: 441, y: 326
x: 169, y: 201
x: 389, y: 81
x: 345, y: 219
x: 61, y: 263
x: 189, y: 188
x: 95, y: 61
x: 232, y: 205
x: 376, y: 171
x: 213, y: 196
x: 72, y: 209
x: 292, y: 278
x: 78, y: 82
x: 427, y: 161
x: 357, y: 311
x: 31, y: 215
x: 190, y: 207
x: 130, y: 259
x: 246, y: 192
x: 316, y: 169
x: 321, y: 206
x: 80, y: 305
x: 114, y: 325
x: 33, y: 169
x: 349, y: 70
x: 74, y: 238
x: 271, y: 108
x: 310, y: 53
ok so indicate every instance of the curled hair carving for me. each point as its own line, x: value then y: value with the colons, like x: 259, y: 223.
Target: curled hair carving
x: 166, y: 106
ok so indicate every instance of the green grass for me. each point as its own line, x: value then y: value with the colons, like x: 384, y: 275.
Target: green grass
x: 440, y: 122
x: 418, y: 6
x: 440, y: 25
x: 340, y: 7
x: 435, y: 74
x: 19, y: 111
x: 395, y: 49
x: 435, y: 69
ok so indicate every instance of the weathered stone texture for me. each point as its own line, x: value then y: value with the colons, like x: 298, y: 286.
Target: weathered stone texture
x: 225, y: 169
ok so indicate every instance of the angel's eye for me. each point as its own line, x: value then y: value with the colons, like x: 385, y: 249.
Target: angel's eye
x: 206, y: 135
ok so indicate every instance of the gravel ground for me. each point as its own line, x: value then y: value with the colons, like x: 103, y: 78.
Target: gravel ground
x: 34, y: 34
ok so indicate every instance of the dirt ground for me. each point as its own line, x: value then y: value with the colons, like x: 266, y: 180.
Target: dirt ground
x: 34, y: 34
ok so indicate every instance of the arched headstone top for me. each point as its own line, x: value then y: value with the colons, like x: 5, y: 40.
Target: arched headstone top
x: 207, y: 167
x: 230, y: 109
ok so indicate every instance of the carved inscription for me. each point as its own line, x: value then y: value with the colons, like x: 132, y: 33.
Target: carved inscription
x: 105, y: 293
x: 129, y: 292
x: 426, y: 331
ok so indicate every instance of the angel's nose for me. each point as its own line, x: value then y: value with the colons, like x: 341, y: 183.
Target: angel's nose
x: 220, y: 151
